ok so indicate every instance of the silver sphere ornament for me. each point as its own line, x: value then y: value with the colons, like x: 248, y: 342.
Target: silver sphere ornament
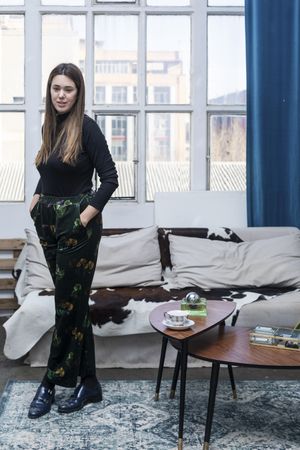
x: 192, y: 297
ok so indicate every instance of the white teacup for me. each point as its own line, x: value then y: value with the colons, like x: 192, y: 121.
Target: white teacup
x: 177, y: 317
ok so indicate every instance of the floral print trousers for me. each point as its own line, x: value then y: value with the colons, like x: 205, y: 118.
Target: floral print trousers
x: 71, y: 253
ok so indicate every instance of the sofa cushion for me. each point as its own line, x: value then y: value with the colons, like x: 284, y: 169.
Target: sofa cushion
x: 280, y: 311
x: 215, y: 264
x: 37, y: 275
x: 216, y: 234
x: 19, y: 274
x: 129, y: 259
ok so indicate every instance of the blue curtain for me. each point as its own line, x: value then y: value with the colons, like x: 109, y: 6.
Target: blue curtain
x: 273, y: 112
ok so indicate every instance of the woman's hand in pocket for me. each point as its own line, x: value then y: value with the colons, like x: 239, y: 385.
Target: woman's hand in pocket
x: 33, y: 202
x: 88, y: 214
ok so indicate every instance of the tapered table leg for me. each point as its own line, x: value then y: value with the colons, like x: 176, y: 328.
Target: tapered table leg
x: 175, y: 375
x: 232, y: 382
x: 183, y: 364
x: 211, y: 402
x: 161, y: 366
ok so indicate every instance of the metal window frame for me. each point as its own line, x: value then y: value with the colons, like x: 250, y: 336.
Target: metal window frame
x: 218, y: 109
x: 198, y: 108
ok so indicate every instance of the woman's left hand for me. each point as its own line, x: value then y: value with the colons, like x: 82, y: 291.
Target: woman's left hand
x: 87, y: 214
x: 34, y: 201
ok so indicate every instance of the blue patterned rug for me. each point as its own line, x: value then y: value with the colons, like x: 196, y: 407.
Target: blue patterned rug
x: 265, y: 416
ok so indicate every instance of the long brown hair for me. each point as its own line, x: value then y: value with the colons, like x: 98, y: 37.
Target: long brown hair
x: 67, y: 140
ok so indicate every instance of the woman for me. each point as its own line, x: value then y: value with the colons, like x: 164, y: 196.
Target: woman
x: 67, y: 217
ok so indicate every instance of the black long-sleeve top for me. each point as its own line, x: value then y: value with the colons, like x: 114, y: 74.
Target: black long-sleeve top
x: 64, y: 180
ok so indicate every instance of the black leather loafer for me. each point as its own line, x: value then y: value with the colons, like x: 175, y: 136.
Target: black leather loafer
x: 81, y: 397
x: 42, y: 402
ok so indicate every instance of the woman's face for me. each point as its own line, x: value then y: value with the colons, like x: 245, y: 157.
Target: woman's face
x: 63, y: 93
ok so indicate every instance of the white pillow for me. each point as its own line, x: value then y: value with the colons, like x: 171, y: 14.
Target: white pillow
x: 129, y: 259
x: 37, y: 275
x: 280, y: 311
x: 216, y: 264
x: 20, y: 267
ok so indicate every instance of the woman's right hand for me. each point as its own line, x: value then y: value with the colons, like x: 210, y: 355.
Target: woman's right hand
x: 34, y: 201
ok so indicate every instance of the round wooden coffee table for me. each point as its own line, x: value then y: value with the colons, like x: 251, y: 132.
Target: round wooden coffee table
x: 230, y: 345
x: 217, y: 312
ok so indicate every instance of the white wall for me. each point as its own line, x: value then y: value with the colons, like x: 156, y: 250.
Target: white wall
x: 186, y: 209
x: 15, y: 217
x: 201, y: 209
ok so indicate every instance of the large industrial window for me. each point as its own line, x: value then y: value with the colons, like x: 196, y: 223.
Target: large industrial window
x: 165, y: 80
x: 226, y: 98
x: 12, y: 107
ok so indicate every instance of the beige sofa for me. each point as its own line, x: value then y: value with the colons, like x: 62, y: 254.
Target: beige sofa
x: 257, y: 268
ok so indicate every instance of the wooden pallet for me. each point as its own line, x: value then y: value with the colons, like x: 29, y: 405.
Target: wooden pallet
x: 9, y: 252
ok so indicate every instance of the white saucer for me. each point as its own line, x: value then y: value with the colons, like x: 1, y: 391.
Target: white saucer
x: 178, y: 327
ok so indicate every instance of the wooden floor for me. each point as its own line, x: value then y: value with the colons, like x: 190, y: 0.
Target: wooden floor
x: 18, y: 370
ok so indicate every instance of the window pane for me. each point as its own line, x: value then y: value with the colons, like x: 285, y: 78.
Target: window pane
x: 226, y: 2
x: 63, y: 2
x: 11, y: 2
x: 226, y: 60
x: 227, y: 153
x: 11, y: 156
x: 168, y: 153
x: 63, y: 40
x: 116, y: 58
x: 168, y: 2
x: 168, y: 59
x: 120, y: 132
x: 11, y: 58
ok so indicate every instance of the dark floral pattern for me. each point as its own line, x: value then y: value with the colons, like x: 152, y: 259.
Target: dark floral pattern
x: 71, y: 252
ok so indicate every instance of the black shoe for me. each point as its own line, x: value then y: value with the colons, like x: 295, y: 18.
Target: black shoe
x: 81, y: 397
x: 42, y: 402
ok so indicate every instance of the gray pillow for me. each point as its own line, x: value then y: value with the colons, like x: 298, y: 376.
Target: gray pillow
x: 129, y: 259
x: 19, y: 271
x: 37, y: 275
x: 217, y: 264
x: 280, y: 311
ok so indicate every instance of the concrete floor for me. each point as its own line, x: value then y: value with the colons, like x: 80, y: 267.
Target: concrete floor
x: 17, y: 370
